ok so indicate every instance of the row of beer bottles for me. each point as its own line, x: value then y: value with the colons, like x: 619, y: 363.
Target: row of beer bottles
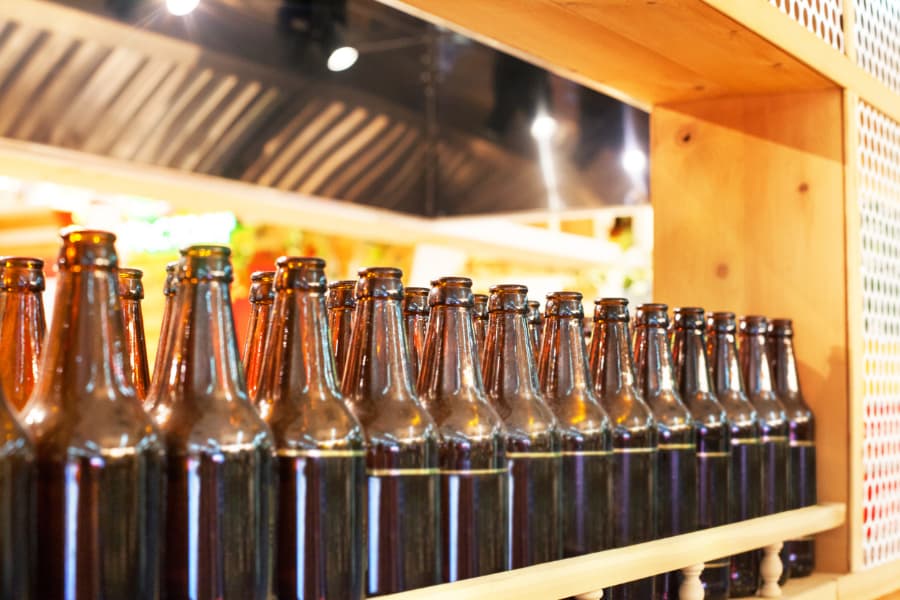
x: 100, y: 462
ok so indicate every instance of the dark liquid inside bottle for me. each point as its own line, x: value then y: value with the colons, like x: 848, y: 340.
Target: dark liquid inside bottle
x: 17, y: 508
x: 318, y: 514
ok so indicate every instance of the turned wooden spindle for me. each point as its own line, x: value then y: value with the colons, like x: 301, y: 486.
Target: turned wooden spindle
x: 596, y: 595
x: 770, y: 570
x: 691, y: 588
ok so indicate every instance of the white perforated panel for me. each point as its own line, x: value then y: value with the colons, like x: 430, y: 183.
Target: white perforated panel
x: 877, y: 35
x: 879, y: 202
x: 822, y: 17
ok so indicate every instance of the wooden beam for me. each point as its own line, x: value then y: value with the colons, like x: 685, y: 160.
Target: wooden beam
x: 748, y: 196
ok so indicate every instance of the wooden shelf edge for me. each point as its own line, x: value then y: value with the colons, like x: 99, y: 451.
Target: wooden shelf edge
x: 591, y: 572
x: 770, y: 23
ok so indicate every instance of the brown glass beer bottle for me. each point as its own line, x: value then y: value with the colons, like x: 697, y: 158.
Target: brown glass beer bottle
x: 584, y: 427
x: 318, y: 445
x: 535, y: 325
x: 474, y: 470
x: 746, y: 467
x: 415, y: 319
x: 403, y: 530
x: 802, y: 438
x: 220, y: 500
x: 479, y: 321
x: 261, y: 297
x: 634, y: 437
x: 532, y: 446
x: 22, y: 326
x: 713, y: 438
x: 99, y: 457
x: 340, y: 303
x: 131, y: 292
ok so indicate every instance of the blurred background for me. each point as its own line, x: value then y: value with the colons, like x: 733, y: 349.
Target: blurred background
x: 336, y: 128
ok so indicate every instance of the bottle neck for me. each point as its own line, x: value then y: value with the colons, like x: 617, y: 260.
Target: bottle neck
x: 164, y: 341
x: 378, y: 364
x: 653, y: 361
x: 726, y: 368
x: 340, y: 324
x: 448, y: 365
x: 689, y: 358
x: 22, y: 319
x: 614, y: 367
x: 509, y: 362
x: 784, y: 366
x: 755, y: 363
x: 256, y: 333
x: 562, y: 368
x: 84, y: 350
x: 203, y: 357
x: 136, y: 345
x: 298, y: 365
x: 415, y: 324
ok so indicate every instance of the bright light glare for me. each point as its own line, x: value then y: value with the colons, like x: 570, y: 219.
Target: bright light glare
x: 342, y: 58
x: 543, y: 127
x: 634, y: 161
x: 179, y: 8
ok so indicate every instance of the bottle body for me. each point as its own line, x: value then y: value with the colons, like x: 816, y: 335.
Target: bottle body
x: 713, y: 437
x: 801, y: 438
x: 473, y: 469
x: 319, y: 445
x: 746, y: 450
x: 99, y: 458
x: 585, y: 438
x: 22, y: 327
x: 533, y: 446
x: 220, y: 502
x: 403, y: 486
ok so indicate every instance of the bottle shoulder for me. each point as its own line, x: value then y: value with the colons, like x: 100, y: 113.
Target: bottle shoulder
x: 15, y: 439
x: 669, y: 411
x: 627, y: 410
x: 769, y: 410
x: 705, y: 408
x: 527, y: 420
x: 221, y: 419
x: 314, y: 424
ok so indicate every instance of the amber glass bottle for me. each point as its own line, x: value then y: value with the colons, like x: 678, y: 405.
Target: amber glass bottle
x: 634, y: 437
x: 22, y: 327
x: 99, y: 457
x: 220, y: 501
x: 403, y: 533
x: 713, y: 437
x: 17, y: 501
x: 802, y: 438
x: 170, y: 287
x: 532, y: 447
x: 319, y: 445
x: 474, y: 471
x: 676, y: 490
x: 131, y: 292
x: 415, y: 319
x: 584, y: 427
x: 479, y: 320
x: 340, y: 303
x: 535, y: 325
x: 261, y: 297
x: 746, y: 466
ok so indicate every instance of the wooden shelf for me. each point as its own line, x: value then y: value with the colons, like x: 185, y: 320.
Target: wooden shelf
x: 591, y: 572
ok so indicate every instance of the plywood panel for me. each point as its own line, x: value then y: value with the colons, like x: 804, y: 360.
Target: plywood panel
x: 748, y: 196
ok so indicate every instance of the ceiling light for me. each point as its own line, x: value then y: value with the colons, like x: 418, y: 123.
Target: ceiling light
x: 543, y: 127
x: 180, y: 8
x: 634, y: 161
x: 342, y: 58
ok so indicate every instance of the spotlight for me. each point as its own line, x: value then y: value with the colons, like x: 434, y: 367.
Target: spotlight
x: 342, y: 58
x: 543, y: 127
x: 634, y: 161
x: 180, y: 8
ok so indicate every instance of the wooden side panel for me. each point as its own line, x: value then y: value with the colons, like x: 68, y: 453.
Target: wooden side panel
x: 749, y: 214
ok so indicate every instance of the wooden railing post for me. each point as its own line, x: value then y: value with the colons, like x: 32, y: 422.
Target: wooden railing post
x: 770, y: 570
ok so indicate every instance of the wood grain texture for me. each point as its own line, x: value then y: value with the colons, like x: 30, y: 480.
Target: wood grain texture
x: 647, y: 52
x: 749, y: 216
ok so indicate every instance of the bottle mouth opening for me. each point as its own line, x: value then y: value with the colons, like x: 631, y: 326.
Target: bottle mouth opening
x: 380, y: 282
x: 130, y: 285
x: 341, y: 294
x: 299, y: 273
x: 511, y: 298
x: 262, y: 276
x: 128, y: 273
x: 653, y: 315
x: 781, y: 327
x: 754, y: 324
x: 81, y: 235
x: 206, y: 263
x: 611, y: 309
x: 689, y: 317
x: 415, y: 301
x: 21, y: 273
x: 723, y: 322
x: 564, y: 304
x: 452, y: 291
x: 87, y: 249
